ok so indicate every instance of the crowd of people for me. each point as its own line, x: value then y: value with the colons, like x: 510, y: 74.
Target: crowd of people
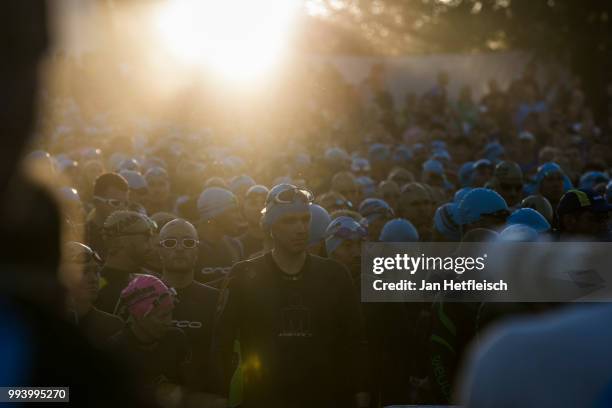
x: 225, y: 271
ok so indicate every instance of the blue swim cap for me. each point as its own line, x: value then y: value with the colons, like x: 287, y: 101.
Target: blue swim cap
x: 591, y: 178
x: 379, y: 153
x: 543, y: 171
x: 530, y: 218
x: 372, y: 208
x: 479, y: 202
x: 214, y: 201
x: 519, y: 233
x: 402, y: 154
x: 319, y: 221
x: 445, y: 222
x: 433, y: 166
x: 465, y: 173
x: 460, y: 194
x: 399, y: 230
x: 493, y: 151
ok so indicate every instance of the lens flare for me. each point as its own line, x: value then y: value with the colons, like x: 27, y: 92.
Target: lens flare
x: 240, y: 39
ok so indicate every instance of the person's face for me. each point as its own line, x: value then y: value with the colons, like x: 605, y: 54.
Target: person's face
x: 350, y: 192
x: 348, y: 254
x: 231, y: 222
x: 178, y: 248
x: 391, y: 197
x: 586, y: 223
x: 552, y: 187
x: 291, y: 232
x: 139, y: 196
x: 157, y: 322
x: 88, y: 284
x: 159, y: 188
x: 512, y: 193
x: 138, y: 246
x: 253, y: 204
x: 113, y: 200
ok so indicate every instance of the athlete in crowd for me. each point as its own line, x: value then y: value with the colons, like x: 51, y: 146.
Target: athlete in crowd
x: 583, y: 215
x: 85, y: 265
x: 220, y: 224
x: 195, y: 310
x: 254, y: 201
x: 110, y: 193
x: 128, y: 235
x: 296, y: 316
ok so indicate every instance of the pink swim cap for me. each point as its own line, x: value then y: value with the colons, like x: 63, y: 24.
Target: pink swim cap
x: 144, y: 293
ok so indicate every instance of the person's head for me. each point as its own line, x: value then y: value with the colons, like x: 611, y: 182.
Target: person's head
x: 344, y: 183
x: 389, y: 191
x: 540, y: 204
x: 347, y: 213
x: 482, y: 170
x: 148, y: 303
x: 128, y: 236
x: 287, y: 217
x: 254, y: 202
x: 399, y: 230
x: 319, y: 220
x: 91, y: 170
x: 239, y: 185
x: 110, y: 194
x: 138, y: 190
x: 178, y: 246
x: 376, y: 212
x: 433, y: 173
x: 508, y: 181
x: 550, y: 182
x: 84, y: 264
x: 400, y: 176
x: 530, y: 218
x: 343, y: 242
x: 159, y: 184
x: 333, y: 201
x: 583, y: 213
x: 219, y: 208
x: 446, y: 224
x: 415, y: 204
x: 482, y: 208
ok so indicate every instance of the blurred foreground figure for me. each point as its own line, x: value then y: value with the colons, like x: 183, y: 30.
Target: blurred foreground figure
x: 38, y: 346
x: 296, y: 317
x: 558, y: 360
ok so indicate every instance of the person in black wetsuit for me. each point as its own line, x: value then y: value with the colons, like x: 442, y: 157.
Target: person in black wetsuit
x: 110, y: 193
x: 220, y: 222
x: 155, y: 352
x: 296, y: 317
x: 97, y: 325
x: 195, y: 311
x: 254, y: 201
x: 128, y: 236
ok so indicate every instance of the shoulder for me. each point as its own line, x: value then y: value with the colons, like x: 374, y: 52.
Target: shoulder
x: 328, y: 267
x: 204, y: 289
x: 107, y: 318
x: 242, y: 268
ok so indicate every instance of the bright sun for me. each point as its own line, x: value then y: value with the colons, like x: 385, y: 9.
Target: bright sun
x: 240, y: 39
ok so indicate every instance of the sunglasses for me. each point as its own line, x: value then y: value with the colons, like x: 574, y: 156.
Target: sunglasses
x: 187, y: 243
x: 294, y: 194
x: 111, y: 202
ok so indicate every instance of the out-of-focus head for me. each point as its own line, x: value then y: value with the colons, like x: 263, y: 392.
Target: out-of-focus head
x: 482, y: 170
x: 540, y: 204
x: 508, y: 181
x: 482, y: 208
x: 220, y: 207
x: 110, y: 194
x: 84, y: 264
x: 129, y: 233
x: 530, y: 218
x: 583, y: 212
x: 158, y: 182
x: 376, y: 212
x: 416, y: 204
x: 334, y: 201
x: 138, y: 187
x: 319, y: 220
x: 343, y: 242
x: 344, y: 183
x: 240, y: 184
x: 399, y: 230
x: 389, y: 191
x: 446, y: 224
x: 254, y: 202
x: 401, y: 176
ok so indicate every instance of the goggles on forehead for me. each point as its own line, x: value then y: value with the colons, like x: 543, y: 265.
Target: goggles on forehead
x: 294, y: 194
